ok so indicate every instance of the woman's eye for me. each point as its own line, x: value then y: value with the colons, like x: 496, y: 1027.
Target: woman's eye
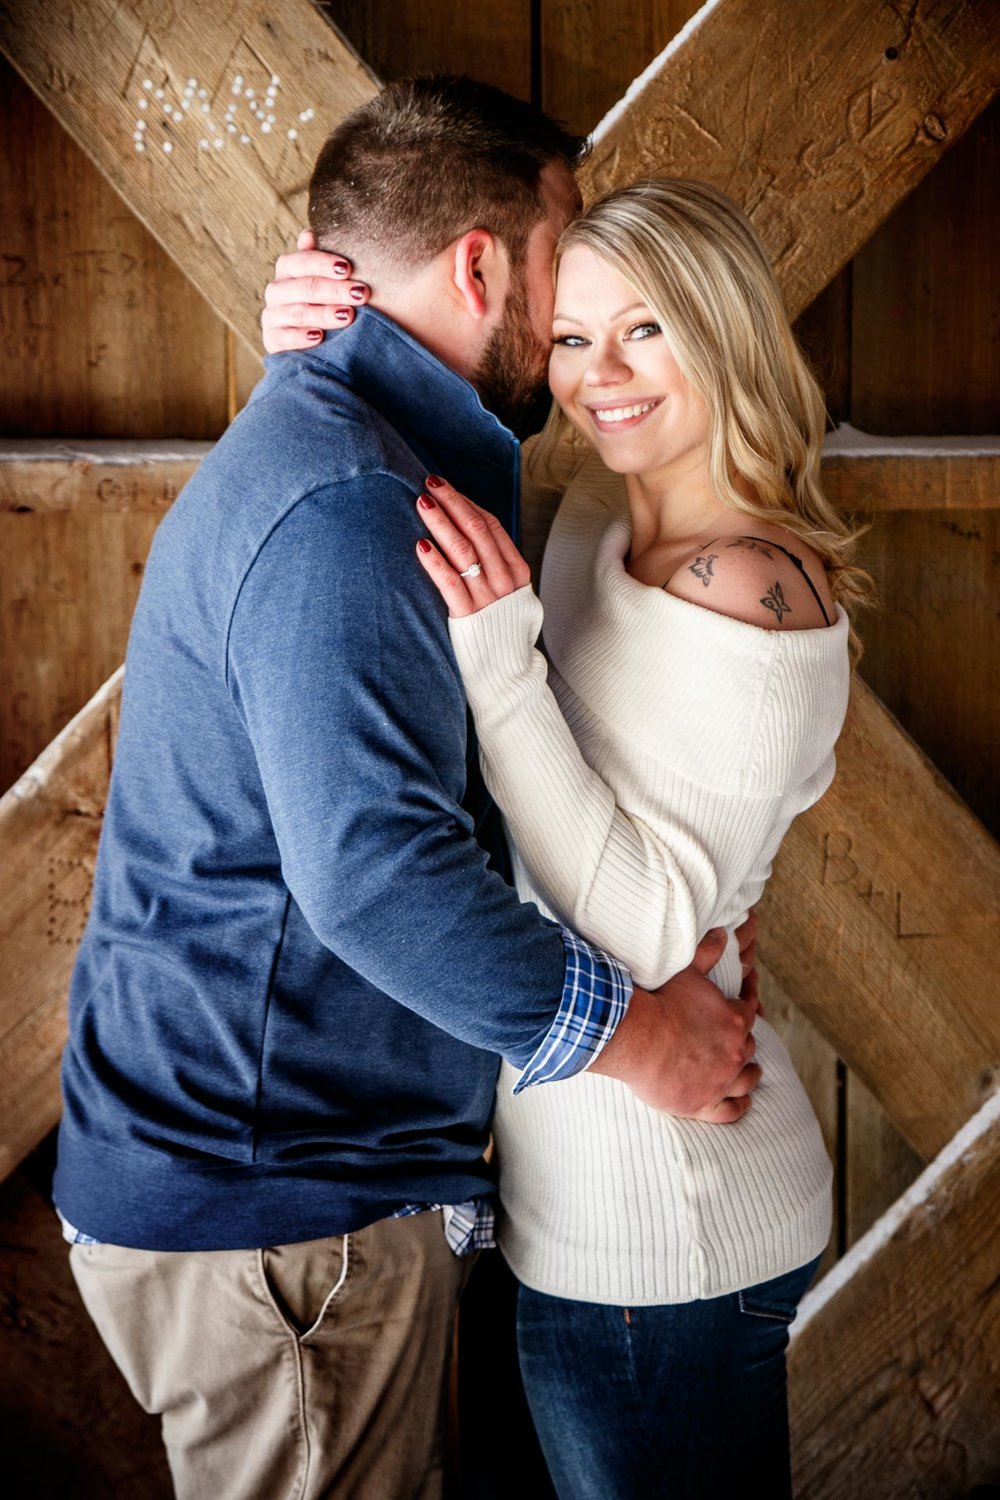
x: 643, y: 330
x: 570, y: 341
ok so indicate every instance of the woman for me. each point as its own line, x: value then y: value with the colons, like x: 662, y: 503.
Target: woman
x: 694, y: 589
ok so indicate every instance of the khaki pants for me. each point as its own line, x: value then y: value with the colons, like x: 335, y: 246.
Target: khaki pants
x: 308, y: 1370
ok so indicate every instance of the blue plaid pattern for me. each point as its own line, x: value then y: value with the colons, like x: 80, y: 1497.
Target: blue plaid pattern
x: 595, y: 996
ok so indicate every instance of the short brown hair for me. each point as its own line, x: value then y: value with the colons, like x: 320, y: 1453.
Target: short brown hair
x: 427, y: 160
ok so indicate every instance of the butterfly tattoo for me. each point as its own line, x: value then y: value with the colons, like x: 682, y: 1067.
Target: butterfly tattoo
x: 775, y: 601
x: 702, y: 568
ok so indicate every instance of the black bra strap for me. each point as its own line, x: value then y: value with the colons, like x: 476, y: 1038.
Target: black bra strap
x: 766, y: 541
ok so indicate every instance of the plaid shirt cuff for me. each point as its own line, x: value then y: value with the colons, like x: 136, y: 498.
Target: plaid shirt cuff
x: 595, y: 997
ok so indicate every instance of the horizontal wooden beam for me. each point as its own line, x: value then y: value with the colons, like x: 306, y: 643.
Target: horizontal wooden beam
x: 894, y: 1366
x: 50, y: 822
x: 817, y: 118
x: 100, y: 477
x: 860, y: 473
x: 874, y: 474
x: 207, y: 120
x: 882, y: 922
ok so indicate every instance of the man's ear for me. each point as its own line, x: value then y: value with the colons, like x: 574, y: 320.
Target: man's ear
x: 480, y: 272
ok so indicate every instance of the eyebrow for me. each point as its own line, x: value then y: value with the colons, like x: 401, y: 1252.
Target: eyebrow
x: 613, y: 319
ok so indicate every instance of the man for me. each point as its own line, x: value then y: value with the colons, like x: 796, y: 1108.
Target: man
x: 299, y: 969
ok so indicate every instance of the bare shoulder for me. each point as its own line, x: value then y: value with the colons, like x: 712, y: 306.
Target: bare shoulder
x: 763, y: 580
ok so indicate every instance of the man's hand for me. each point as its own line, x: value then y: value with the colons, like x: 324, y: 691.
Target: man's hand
x: 685, y: 1048
x: 311, y: 291
x: 746, y: 937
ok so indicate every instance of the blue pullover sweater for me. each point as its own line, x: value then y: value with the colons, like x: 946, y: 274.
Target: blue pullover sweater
x: 298, y: 968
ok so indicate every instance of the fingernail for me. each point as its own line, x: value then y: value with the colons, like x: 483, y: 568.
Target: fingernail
x: 357, y: 294
x: 423, y: 546
x: 343, y: 315
x: 342, y: 267
x: 314, y: 334
x: 435, y: 481
x: 426, y: 503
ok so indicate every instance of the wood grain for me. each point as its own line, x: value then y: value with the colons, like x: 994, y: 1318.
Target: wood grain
x: 50, y: 822
x: 818, y: 127
x: 591, y: 50
x: 412, y: 36
x: 881, y: 921
x: 225, y: 210
x: 879, y: 1165
x: 894, y: 1380
x: 934, y: 480
x: 933, y: 647
x: 100, y: 333
x: 926, y: 298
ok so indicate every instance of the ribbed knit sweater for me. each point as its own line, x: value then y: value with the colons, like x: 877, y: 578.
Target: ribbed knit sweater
x: 648, y: 773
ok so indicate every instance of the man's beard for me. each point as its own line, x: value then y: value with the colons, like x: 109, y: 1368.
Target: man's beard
x: 511, y: 375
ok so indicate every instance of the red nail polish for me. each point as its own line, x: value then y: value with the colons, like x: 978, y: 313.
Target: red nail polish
x: 426, y: 503
x: 423, y: 546
x: 357, y: 294
x: 343, y: 315
x: 435, y: 481
x: 314, y: 334
x: 342, y: 267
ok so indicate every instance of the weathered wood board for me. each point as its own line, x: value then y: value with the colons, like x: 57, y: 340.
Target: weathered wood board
x: 888, y: 888
x: 412, y: 36
x: 590, y: 52
x: 75, y: 531
x: 933, y: 646
x: 50, y: 822
x: 925, y: 305
x: 894, y: 1369
x: 817, y: 118
x: 206, y: 120
x: 100, y: 333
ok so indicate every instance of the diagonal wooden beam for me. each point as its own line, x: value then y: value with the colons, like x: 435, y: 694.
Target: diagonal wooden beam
x: 881, y: 921
x: 206, y: 119
x: 50, y: 822
x: 894, y: 1368
x: 817, y: 118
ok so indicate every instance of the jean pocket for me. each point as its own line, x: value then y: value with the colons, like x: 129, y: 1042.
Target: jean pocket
x: 778, y: 1299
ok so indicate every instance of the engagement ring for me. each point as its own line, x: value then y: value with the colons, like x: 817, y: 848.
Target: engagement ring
x: 472, y: 572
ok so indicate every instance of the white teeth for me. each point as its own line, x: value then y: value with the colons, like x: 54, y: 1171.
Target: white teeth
x: 622, y: 413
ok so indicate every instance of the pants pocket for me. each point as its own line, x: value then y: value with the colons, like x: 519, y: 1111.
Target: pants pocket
x: 779, y: 1298
x: 304, y: 1280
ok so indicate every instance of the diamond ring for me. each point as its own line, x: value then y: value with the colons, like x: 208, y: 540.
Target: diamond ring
x: 472, y: 572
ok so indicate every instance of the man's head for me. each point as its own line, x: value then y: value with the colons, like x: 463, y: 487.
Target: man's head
x: 449, y: 195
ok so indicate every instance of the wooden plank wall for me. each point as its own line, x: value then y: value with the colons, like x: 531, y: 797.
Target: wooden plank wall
x: 101, y: 336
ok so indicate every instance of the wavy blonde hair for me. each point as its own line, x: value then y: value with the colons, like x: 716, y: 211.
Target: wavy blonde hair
x: 696, y: 260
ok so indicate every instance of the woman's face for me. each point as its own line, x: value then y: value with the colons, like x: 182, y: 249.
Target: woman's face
x: 613, y: 374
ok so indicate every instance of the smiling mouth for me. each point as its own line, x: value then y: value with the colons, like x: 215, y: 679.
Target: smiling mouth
x: 615, y: 418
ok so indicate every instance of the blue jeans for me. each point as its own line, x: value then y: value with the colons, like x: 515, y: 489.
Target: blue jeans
x: 679, y: 1402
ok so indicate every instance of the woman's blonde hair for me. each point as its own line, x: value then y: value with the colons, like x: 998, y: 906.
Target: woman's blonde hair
x: 696, y: 260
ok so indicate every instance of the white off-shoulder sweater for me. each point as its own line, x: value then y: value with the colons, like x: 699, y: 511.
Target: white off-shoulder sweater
x: 648, y: 774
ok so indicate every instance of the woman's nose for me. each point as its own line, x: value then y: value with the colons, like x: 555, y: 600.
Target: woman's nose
x: 606, y: 366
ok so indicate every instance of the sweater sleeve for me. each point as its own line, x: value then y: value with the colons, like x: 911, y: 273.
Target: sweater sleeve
x: 644, y: 892
x: 339, y: 664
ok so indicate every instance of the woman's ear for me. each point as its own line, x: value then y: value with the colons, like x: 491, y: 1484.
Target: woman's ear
x: 480, y: 272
